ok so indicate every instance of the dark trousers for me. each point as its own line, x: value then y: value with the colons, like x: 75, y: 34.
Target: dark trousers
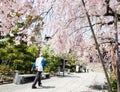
x: 38, y: 78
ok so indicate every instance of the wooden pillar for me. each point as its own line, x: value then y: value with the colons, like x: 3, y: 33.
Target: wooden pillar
x: 113, y: 60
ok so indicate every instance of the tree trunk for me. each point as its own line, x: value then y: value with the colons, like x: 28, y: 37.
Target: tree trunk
x: 117, y: 55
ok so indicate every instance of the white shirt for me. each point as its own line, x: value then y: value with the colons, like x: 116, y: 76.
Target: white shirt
x: 39, y: 64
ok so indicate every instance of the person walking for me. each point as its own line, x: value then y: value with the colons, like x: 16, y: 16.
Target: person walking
x: 39, y: 64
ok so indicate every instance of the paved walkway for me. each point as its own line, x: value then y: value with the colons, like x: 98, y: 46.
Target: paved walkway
x: 73, y: 82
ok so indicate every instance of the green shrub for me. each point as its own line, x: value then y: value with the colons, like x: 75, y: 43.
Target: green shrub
x: 72, y: 65
x: 5, y: 70
x: 113, y: 82
x: 114, y: 85
x: 52, y: 62
x: 19, y: 57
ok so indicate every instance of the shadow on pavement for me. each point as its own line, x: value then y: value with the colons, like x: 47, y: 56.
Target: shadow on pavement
x: 99, y: 87
x: 73, y: 76
x: 69, y: 76
x: 46, y: 87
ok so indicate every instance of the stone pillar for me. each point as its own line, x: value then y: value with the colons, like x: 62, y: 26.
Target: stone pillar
x: 59, y: 71
x: 16, y: 75
x: 77, y: 68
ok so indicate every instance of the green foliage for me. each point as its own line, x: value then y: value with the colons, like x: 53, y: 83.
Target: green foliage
x: 19, y: 57
x: 18, y: 64
x: 72, y: 65
x: 33, y: 50
x: 113, y: 82
x: 114, y: 85
x: 25, y: 57
x: 3, y: 53
x: 3, y: 42
x: 51, y: 61
x: 5, y: 70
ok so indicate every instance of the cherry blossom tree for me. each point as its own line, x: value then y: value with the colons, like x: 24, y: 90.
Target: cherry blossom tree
x: 68, y: 17
x: 64, y: 21
x: 102, y: 13
x: 20, y: 19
